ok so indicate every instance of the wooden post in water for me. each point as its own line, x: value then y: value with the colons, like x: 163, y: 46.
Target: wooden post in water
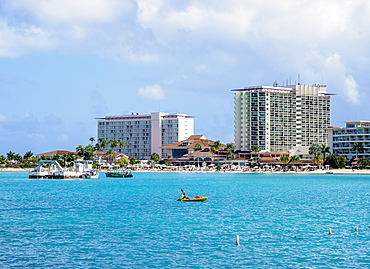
x: 237, y: 242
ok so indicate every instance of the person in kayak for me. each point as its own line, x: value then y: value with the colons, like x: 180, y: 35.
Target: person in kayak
x: 183, y: 196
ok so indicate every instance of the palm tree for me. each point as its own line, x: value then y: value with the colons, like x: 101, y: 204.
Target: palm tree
x: 214, y: 148
x: 56, y: 157
x: 2, y: 159
x: 217, y: 144
x: 122, y: 143
x: 323, y: 150
x: 28, y: 155
x: 87, y: 153
x: 10, y: 156
x: 318, y: 160
x: 314, y: 150
x: 102, y: 143
x: 133, y: 160
x: 357, y: 146
x: 229, y: 154
x: 198, y: 146
x: 335, y: 160
x: 68, y: 157
x: 255, y: 149
x: 92, y: 139
x: 294, y: 159
x: 229, y: 146
x: 254, y: 160
x: 363, y: 162
x: 113, y: 143
x: 110, y: 155
x: 155, y: 157
x: 284, y: 159
x: 18, y: 158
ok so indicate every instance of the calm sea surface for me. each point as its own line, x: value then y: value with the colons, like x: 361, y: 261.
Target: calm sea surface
x: 282, y: 221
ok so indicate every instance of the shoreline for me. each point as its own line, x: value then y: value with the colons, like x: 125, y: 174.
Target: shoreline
x: 315, y: 172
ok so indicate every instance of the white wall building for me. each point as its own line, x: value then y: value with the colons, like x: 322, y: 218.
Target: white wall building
x: 278, y: 118
x: 146, y: 134
x: 342, y: 139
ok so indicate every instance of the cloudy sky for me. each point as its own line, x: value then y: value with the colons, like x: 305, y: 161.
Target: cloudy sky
x: 64, y: 63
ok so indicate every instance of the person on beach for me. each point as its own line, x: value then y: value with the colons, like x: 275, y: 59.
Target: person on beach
x: 183, y: 196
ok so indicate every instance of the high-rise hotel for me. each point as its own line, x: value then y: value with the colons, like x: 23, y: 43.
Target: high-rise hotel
x: 146, y: 134
x: 277, y: 118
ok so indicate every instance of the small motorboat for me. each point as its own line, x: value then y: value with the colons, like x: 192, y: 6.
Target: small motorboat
x: 118, y: 173
x: 195, y: 199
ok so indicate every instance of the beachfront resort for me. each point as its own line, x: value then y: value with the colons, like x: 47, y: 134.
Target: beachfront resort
x: 275, y: 128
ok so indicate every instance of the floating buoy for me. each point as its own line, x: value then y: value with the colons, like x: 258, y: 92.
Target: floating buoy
x: 237, y: 241
x: 330, y: 232
x: 356, y: 229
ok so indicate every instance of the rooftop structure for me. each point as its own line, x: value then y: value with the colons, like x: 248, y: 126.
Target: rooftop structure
x: 51, y: 154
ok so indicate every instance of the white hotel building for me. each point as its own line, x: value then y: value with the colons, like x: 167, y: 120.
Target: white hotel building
x: 342, y: 139
x: 146, y: 134
x: 281, y: 118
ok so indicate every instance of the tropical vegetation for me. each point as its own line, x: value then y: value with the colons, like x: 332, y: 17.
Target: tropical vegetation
x: 358, y: 148
x: 336, y: 161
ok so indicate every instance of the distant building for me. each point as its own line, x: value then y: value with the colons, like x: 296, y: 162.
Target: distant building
x: 50, y: 155
x: 145, y: 134
x: 342, y: 139
x: 281, y: 118
x: 195, y: 143
x: 196, y: 148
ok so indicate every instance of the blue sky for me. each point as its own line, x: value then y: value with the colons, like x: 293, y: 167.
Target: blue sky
x: 65, y: 63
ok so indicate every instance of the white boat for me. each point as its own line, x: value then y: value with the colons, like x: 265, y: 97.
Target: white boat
x: 90, y: 174
x: 53, y: 170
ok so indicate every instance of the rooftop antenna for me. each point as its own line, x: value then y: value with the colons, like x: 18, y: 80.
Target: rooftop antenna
x: 299, y: 79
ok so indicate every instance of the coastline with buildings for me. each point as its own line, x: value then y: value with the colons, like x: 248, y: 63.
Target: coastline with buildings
x: 227, y: 170
x: 274, y: 127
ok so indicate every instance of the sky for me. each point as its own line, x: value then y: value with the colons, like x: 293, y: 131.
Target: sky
x: 64, y: 63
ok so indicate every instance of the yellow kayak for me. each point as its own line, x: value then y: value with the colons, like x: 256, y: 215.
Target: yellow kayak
x: 195, y: 199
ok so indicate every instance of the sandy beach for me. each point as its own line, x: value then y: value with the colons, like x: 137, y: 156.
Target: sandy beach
x: 192, y: 170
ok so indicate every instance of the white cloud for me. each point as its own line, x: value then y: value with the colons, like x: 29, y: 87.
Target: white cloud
x: 151, y: 92
x: 141, y: 31
x: 3, y: 118
x: 74, y: 12
x: 351, y: 90
x: 17, y: 40
x: 337, y: 71
x: 253, y: 22
x: 63, y: 137
x: 201, y: 68
x: 195, y: 19
x: 210, y: 36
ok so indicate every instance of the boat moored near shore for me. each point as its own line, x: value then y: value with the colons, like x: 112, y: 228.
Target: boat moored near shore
x: 119, y: 173
x: 49, y: 169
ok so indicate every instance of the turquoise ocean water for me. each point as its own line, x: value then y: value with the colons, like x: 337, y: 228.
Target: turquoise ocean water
x: 282, y: 221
